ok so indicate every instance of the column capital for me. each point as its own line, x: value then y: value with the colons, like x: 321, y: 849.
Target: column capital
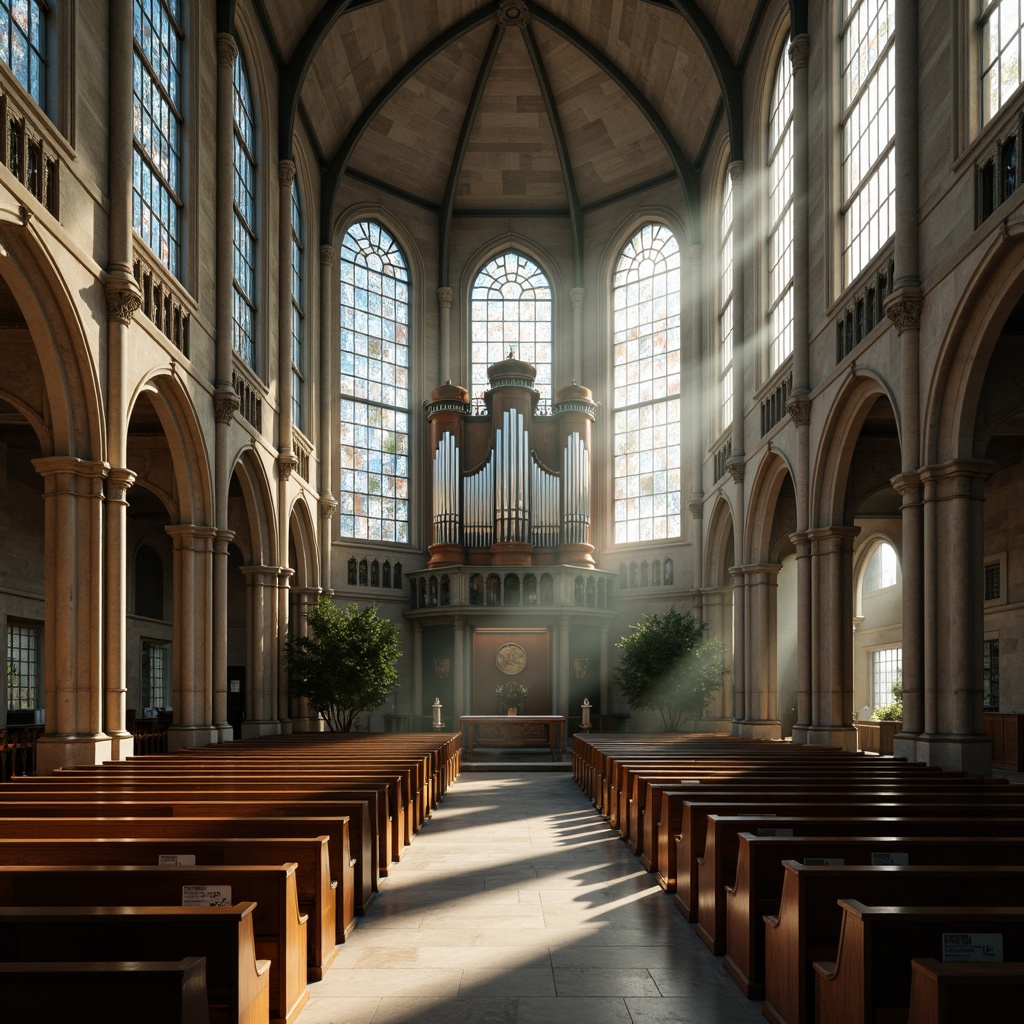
x: 225, y: 403
x: 285, y: 173
x: 962, y: 478
x: 835, y: 538
x: 444, y: 297
x: 123, y: 299
x: 328, y: 506
x: 799, y: 409
x: 119, y: 482
x: 909, y: 486
x: 286, y: 463
x: 736, y: 172
x: 227, y: 50
x: 799, y: 51
x: 576, y: 295
x: 328, y: 254
x: 696, y: 506
x: 903, y: 308
x: 52, y: 467
x: 188, y: 536
x: 736, y: 464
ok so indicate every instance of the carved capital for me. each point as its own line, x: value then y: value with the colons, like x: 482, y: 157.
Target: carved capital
x: 736, y: 172
x: 286, y: 173
x: 513, y: 14
x: 119, y: 482
x: 227, y: 50
x: 799, y: 51
x: 225, y: 403
x: 697, y: 508
x: 577, y: 295
x: 286, y: 463
x: 444, y: 297
x: 905, y: 312
x: 799, y: 409
x: 735, y: 467
x: 123, y: 300
x: 328, y: 506
x: 328, y: 254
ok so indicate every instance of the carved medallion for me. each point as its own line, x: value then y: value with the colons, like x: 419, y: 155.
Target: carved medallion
x: 510, y: 659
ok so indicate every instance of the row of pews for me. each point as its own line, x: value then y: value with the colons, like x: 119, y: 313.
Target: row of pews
x: 832, y: 884
x: 211, y: 884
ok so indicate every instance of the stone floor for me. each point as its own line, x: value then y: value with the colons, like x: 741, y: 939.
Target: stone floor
x: 517, y: 905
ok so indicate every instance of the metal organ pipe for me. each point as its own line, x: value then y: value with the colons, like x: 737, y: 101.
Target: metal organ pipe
x: 576, y: 501
x: 446, y: 491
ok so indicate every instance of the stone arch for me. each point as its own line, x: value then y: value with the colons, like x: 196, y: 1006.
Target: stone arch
x: 772, y: 474
x: 260, y: 544
x: 719, y: 553
x: 302, y: 531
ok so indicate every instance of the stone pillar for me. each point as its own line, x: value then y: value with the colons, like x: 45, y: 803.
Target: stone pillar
x: 912, y: 565
x: 302, y: 599
x: 698, y: 417
x: 739, y: 696
x: 605, y: 704
x: 718, y: 615
x: 284, y: 578
x: 805, y: 711
x: 221, y: 540
x: 330, y: 325
x: 461, y: 688
x: 560, y: 689
x: 416, y: 697
x: 832, y: 636
x: 444, y: 327
x: 192, y: 651
x: 261, y: 675
x: 697, y: 513
x: 954, y: 737
x: 760, y: 592
x: 576, y: 296
x: 72, y: 663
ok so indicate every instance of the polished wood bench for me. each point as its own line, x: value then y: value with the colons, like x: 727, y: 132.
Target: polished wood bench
x: 965, y: 993
x: 870, y: 978
x: 173, y: 992
x: 805, y: 926
x: 237, y: 984
x: 279, y: 930
x: 317, y: 891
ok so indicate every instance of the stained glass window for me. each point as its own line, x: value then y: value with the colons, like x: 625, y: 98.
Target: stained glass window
x: 244, y: 306
x: 510, y: 310
x: 725, y: 310
x: 157, y: 119
x: 868, y: 130
x: 646, y: 383
x: 1002, y: 35
x: 780, y: 213
x: 298, y: 313
x: 374, y: 386
x: 23, y: 44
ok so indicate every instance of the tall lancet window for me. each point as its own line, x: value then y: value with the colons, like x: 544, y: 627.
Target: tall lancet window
x: 780, y: 217
x: 244, y: 238
x: 374, y: 487
x: 298, y: 312
x: 511, y: 310
x: 646, y: 351
x: 725, y: 314
x: 1002, y: 36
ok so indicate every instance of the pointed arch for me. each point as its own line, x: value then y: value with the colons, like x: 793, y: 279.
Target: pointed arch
x: 257, y: 496
x: 772, y: 475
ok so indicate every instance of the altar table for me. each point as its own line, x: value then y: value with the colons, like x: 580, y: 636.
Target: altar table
x: 513, y: 731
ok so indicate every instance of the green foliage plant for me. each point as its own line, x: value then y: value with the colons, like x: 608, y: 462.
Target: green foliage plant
x: 891, y: 712
x: 669, y: 666
x: 346, y: 665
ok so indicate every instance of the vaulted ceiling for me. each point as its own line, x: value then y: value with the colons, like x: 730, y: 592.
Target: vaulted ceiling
x: 468, y: 106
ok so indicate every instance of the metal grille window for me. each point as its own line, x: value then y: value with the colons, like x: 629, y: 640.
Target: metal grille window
x: 156, y: 674
x: 1002, y: 32
x: 24, y: 666
x: 646, y: 387
x: 374, y: 386
x: 725, y: 314
x: 157, y: 119
x: 510, y: 309
x: 244, y: 242
x: 23, y: 44
x: 886, y: 668
x: 990, y: 674
x: 780, y: 213
x: 868, y: 130
x: 993, y: 583
x: 298, y: 313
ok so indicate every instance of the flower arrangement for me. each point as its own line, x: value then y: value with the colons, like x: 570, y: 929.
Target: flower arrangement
x: 510, y: 693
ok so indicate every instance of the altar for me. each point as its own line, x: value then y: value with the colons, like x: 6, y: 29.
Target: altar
x: 513, y: 731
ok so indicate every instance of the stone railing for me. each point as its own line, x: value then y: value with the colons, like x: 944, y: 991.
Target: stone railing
x: 164, y: 300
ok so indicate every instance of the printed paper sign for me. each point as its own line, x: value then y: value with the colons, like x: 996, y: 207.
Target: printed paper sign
x: 786, y: 833
x: 689, y: 782
x: 895, y: 860
x: 824, y: 862
x: 972, y: 948
x: 177, y: 860
x: 206, y: 895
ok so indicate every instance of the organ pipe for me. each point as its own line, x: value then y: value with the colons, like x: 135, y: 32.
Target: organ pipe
x: 576, y: 500
x: 446, y: 491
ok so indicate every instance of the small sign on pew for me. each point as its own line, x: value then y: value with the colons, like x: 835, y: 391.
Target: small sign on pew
x: 206, y: 895
x: 176, y: 860
x: 786, y: 833
x: 890, y: 860
x: 972, y: 948
x: 689, y: 782
x: 824, y: 862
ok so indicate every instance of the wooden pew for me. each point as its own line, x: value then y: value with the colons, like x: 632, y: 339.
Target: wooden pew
x: 870, y: 978
x: 965, y: 993
x: 237, y: 984
x: 172, y: 992
x: 806, y: 926
x: 279, y: 929
x: 317, y: 891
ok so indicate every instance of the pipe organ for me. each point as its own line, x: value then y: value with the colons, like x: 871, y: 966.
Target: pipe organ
x: 511, y: 487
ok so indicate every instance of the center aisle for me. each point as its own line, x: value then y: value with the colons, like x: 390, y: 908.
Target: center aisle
x: 516, y: 904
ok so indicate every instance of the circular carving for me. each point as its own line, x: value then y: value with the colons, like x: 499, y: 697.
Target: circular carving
x: 510, y: 659
x: 513, y: 14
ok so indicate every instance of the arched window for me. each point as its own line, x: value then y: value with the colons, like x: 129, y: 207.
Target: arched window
x: 725, y: 312
x: 510, y: 309
x: 374, y: 386
x: 646, y: 347
x: 1002, y: 36
x: 868, y: 130
x: 244, y: 305
x: 23, y: 44
x: 882, y: 570
x: 298, y: 311
x: 780, y: 217
x: 149, y: 583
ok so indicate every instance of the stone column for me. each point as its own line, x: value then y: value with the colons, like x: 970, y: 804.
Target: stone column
x: 560, y: 689
x: 718, y: 614
x: 284, y: 578
x: 416, y: 697
x: 761, y: 595
x: 461, y: 688
x: 221, y: 540
x: 261, y: 613
x: 605, y: 695
x: 330, y: 326
x: 302, y: 599
x: 913, y: 569
x: 72, y: 662
x: 832, y: 628
x: 192, y: 651
x: 444, y: 326
x: 698, y: 415
x: 285, y: 181
x: 576, y: 296
x: 739, y: 696
x: 804, y: 705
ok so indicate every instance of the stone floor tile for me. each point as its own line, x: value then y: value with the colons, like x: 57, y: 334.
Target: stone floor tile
x: 604, y: 981
x: 567, y: 1010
